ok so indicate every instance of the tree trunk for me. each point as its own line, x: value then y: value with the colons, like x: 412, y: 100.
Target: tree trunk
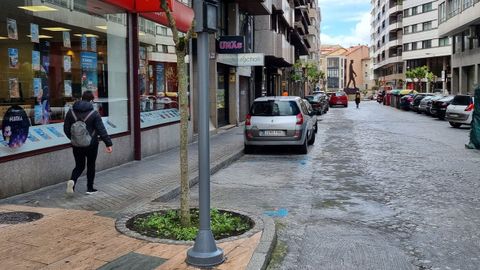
x: 183, y: 102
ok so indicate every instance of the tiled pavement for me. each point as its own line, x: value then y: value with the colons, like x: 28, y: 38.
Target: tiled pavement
x: 79, y: 239
x: 132, y: 185
x: 78, y: 232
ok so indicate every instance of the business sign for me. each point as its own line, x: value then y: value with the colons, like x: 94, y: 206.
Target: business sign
x: 15, y: 127
x: 242, y: 59
x: 231, y: 44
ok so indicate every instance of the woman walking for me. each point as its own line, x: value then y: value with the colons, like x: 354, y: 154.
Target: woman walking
x: 83, y: 125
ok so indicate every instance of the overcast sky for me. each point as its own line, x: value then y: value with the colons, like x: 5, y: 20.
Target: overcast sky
x: 345, y: 22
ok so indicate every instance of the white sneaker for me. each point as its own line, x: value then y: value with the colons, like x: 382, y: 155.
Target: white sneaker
x: 70, y: 185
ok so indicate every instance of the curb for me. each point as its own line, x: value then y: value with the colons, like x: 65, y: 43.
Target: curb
x: 218, y: 165
x: 263, y: 253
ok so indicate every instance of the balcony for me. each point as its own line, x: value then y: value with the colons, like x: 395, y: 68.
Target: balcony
x: 283, y: 7
x: 300, y: 27
x: 394, y: 43
x: 395, y: 9
x: 274, y: 45
x: 455, y: 20
x: 395, y: 26
x: 256, y: 7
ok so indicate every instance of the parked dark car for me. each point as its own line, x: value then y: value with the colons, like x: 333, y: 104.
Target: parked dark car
x: 416, y: 101
x: 319, y: 103
x: 439, y: 107
x: 428, y: 108
x: 406, y: 101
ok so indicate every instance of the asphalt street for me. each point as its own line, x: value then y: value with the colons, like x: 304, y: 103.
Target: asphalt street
x: 380, y: 189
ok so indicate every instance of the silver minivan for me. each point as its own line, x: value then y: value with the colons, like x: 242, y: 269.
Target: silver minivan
x: 280, y: 120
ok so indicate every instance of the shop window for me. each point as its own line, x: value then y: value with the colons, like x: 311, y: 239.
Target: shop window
x: 50, y: 59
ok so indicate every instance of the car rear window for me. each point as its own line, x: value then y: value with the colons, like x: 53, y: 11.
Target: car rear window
x: 339, y: 94
x: 312, y: 98
x: 462, y: 100
x: 274, y: 108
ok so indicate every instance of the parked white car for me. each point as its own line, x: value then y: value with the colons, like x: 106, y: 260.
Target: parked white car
x: 280, y: 120
x: 459, y: 112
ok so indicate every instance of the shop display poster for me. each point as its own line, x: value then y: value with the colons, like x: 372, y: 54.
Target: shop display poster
x: 37, y: 114
x: 55, y: 132
x: 67, y: 63
x: 89, y: 80
x: 66, y: 40
x: 15, y: 127
x: 37, y: 88
x: 93, y: 43
x: 34, y: 33
x: 45, y: 64
x: 84, y: 42
x: 160, y: 76
x: 12, y: 29
x: 68, y: 88
x: 13, y: 58
x: 13, y: 88
x: 42, y: 133
x: 35, y: 60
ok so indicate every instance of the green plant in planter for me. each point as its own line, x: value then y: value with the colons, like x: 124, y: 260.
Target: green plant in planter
x: 167, y: 225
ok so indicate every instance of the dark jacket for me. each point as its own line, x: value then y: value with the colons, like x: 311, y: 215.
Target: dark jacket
x: 94, y: 122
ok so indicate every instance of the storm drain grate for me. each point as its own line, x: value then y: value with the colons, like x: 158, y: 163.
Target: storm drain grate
x: 19, y: 217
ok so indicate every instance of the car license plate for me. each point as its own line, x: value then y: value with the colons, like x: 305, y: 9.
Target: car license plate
x: 272, y: 133
x: 339, y: 102
x: 453, y: 115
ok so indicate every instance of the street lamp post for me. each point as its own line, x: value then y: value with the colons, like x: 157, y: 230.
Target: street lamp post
x: 204, y: 252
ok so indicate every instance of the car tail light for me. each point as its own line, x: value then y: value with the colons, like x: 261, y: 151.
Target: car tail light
x: 299, y: 119
x: 247, y: 120
x: 469, y: 108
x: 297, y: 134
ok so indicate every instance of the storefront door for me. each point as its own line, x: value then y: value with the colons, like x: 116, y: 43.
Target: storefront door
x: 222, y: 97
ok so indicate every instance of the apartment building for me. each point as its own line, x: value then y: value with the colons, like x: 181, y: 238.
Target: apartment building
x: 386, y: 40
x: 422, y: 45
x: 459, y: 21
x: 288, y: 33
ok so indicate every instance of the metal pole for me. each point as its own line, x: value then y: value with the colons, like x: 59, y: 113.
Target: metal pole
x: 204, y: 253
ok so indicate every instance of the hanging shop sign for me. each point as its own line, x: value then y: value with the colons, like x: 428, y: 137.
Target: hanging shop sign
x: 231, y: 44
x: 242, y: 59
x: 15, y: 127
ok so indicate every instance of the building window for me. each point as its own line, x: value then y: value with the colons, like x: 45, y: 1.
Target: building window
x: 406, y: 13
x: 161, y: 48
x: 414, y: 46
x: 48, y: 69
x: 405, y: 47
x: 443, y: 42
x: 161, y: 30
x: 414, y: 11
x: 427, y: 26
x: 414, y: 28
x: 427, y: 7
x: 406, y: 29
x: 426, y: 44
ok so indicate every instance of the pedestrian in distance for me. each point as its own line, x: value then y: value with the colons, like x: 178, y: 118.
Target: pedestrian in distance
x: 357, y: 98
x: 83, y: 126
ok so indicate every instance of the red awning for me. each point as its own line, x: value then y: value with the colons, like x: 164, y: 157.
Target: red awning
x: 182, y: 13
x: 150, y: 9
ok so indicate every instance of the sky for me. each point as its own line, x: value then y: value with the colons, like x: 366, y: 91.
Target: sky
x: 345, y: 22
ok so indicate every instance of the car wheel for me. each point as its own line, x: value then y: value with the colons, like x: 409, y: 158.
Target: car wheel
x: 346, y: 105
x: 312, y: 139
x: 455, y: 125
x: 304, y: 147
x: 316, y: 128
x: 247, y: 149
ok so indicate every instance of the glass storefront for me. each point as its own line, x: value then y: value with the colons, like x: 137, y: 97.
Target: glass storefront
x: 157, y: 76
x: 53, y: 51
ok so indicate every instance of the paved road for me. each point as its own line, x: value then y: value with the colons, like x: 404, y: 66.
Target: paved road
x: 380, y: 189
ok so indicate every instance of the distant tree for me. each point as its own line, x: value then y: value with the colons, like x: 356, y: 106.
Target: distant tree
x: 418, y: 74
